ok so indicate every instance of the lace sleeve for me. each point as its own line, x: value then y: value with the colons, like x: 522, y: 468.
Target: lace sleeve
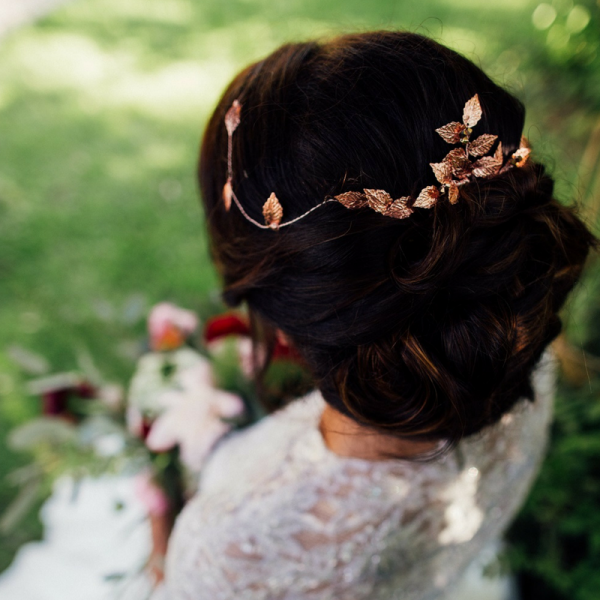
x: 286, y: 540
x: 280, y: 517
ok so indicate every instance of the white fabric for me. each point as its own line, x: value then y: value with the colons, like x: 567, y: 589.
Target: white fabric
x: 95, y: 531
x: 280, y: 517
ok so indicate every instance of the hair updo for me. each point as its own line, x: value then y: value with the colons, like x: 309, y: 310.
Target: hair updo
x: 426, y: 327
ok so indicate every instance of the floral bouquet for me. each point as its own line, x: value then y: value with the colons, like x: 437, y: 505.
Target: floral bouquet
x: 193, y: 386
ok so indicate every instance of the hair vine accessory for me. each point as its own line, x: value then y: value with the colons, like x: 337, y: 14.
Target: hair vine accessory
x: 455, y: 170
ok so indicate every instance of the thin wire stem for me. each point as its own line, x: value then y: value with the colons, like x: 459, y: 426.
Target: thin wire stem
x: 254, y: 222
x: 239, y: 204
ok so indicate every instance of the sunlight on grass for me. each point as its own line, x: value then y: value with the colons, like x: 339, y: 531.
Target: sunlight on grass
x: 163, y: 12
x: 116, y: 79
x: 55, y: 61
x: 502, y: 6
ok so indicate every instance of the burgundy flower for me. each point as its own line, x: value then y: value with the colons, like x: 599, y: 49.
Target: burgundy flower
x: 224, y: 325
x: 57, y: 391
x: 235, y: 324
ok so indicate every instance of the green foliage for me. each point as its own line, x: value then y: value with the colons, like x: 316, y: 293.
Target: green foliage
x: 568, y: 35
x: 556, y: 539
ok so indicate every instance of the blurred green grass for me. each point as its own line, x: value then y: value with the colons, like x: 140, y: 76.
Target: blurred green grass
x: 102, y: 105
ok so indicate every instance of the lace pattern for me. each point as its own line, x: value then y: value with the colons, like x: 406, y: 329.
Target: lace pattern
x: 279, y: 516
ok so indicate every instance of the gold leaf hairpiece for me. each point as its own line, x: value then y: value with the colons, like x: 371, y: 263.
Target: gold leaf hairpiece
x: 233, y: 117
x: 472, y: 111
x: 273, y: 211
x: 455, y: 170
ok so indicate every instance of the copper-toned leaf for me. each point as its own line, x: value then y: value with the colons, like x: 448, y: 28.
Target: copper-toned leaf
x: 486, y: 167
x: 521, y: 156
x: 232, y: 117
x: 352, y: 199
x: 461, y: 165
x: 398, y: 208
x: 442, y: 171
x: 451, y: 133
x: 227, y: 194
x: 428, y: 197
x: 453, y: 193
x: 378, y: 200
x: 273, y: 211
x: 456, y: 157
x: 472, y: 112
x: 498, y: 155
x: 524, y: 143
x: 482, y: 145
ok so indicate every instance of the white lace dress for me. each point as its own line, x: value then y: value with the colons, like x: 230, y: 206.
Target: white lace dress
x: 279, y: 516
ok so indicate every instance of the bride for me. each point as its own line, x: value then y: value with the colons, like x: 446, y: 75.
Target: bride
x: 371, y: 200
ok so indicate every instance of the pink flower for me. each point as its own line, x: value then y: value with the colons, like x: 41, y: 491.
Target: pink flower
x: 169, y: 325
x: 197, y: 376
x: 150, y: 495
x: 192, y: 417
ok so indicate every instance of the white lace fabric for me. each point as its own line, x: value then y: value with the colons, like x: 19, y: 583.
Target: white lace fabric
x: 279, y: 516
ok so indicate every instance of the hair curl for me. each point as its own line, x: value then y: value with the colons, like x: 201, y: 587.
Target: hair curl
x: 427, y: 327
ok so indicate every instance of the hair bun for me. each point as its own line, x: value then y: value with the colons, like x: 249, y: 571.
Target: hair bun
x: 428, y: 326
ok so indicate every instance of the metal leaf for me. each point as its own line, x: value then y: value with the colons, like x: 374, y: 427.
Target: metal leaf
x: 273, y: 211
x: 498, y: 155
x: 428, y: 197
x: 482, y: 145
x: 451, y: 132
x: 461, y: 165
x: 352, y: 200
x: 486, y: 167
x: 232, y: 117
x: 442, y: 171
x: 227, y: 194
x: 472, y: 112
x: 398, y: 208
x: 453, y: 193
x: 378, y: 200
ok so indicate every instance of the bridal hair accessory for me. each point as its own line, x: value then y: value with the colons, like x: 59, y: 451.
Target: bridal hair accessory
x: 455, y: 170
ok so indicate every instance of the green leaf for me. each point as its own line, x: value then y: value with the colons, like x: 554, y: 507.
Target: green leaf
x: 43, y: 430
x: 20, y: 506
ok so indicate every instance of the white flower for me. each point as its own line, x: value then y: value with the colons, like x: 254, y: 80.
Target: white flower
x: 109, y: 445
x: 149, y: 381
x: 111, y: 396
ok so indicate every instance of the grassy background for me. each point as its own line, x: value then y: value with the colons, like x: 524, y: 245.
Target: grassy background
x: 102, y: 106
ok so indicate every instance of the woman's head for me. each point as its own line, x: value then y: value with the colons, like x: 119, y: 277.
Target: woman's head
x: 425, y: 327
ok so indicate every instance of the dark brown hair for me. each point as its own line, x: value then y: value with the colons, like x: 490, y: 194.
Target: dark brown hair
x: 426, y: 327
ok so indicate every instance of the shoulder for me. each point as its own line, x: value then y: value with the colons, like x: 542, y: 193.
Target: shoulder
x: 278, y: 506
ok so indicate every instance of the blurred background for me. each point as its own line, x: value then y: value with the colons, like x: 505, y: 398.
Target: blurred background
x: 102, y: 106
